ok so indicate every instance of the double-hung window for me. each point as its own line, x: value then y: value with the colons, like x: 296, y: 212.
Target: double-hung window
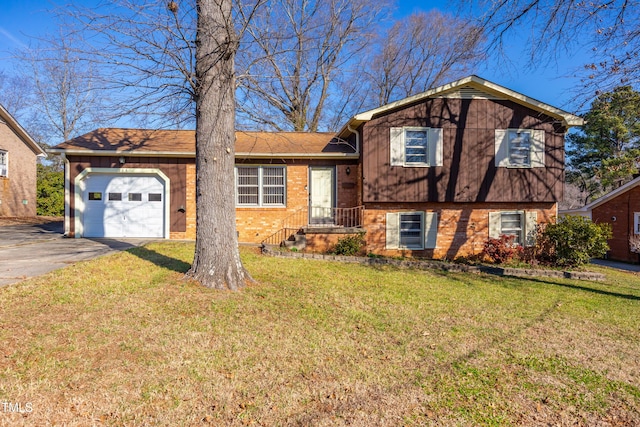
x: 4, y: 163
x: 512, y: 224
x: 416, y: 146
x: 519, y: 148
x: 260, y: 185
x: 411, y: 230
x: 521, y: 224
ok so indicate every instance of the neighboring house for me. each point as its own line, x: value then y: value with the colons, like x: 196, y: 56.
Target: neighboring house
x: 18, y: 159
x: 621, y: 209
x: 432, y: 175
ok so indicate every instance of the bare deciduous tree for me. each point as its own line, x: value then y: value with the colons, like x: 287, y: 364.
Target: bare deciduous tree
x: 420, y: 52
x: 295, y: 53
x: 217, y: 261
x: 146, y: 54
x: 65, y: 102
x: 608, y: 31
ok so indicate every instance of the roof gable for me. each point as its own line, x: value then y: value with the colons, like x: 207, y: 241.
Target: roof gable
x: 607, y: 197
x: 20, y: 132
x: 472, y: 87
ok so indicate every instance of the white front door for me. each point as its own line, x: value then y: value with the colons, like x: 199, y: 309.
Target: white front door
x: 123, y: 206
x: 322, y: 196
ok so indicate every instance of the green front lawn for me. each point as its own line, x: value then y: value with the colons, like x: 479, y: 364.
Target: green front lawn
x: 123, y: 340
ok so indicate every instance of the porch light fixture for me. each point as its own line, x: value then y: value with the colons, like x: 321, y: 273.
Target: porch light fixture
x: 348, y: 170
x: 121, y: 160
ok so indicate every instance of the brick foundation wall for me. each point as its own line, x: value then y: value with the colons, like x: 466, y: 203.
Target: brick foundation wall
x: 462, y: 227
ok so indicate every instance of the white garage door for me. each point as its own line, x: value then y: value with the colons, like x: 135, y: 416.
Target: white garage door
x: 123, y: 206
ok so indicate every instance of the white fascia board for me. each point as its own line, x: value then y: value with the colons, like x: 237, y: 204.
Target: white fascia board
x: 297, y: 156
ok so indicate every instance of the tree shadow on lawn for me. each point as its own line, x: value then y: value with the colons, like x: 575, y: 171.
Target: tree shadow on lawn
x: 542, y: 281
x: 159, y: 259
x: 588, y: 289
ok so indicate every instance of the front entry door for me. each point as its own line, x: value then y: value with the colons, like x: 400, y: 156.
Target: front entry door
x: 322, y: 195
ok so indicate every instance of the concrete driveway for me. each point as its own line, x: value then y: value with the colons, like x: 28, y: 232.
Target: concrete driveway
x: 29, y: 250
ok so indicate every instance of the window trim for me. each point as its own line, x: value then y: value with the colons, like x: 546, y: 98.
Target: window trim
x: 4, y: 166
x: 636, y: 223
x: 261, y: 186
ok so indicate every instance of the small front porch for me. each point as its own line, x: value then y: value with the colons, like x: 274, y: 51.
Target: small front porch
x: 303, y: 231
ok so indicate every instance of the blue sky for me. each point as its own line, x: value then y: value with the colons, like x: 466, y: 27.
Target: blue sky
x: 21, y: 19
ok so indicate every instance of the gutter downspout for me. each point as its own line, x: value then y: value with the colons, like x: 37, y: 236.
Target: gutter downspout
x: 355, y: 132
x: 67, y: 195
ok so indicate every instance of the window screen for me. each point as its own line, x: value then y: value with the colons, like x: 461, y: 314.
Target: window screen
x: 411, y: 233
x: 260, y: 185
x: 415, y: 146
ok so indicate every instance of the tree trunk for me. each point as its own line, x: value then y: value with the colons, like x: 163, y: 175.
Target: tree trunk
x: 216, y: 263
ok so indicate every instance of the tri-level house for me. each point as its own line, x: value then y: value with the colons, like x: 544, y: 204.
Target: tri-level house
x: 433, y: 175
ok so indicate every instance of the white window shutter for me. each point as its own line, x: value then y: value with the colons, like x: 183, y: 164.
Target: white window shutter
x: 393, y: 230
x: 531, y: 221
x: 494, y: 224
x: 430, y: 230
x: 501, y: 148
x: 435, y: 147
x: 537, y: 148
x: 396, y: 139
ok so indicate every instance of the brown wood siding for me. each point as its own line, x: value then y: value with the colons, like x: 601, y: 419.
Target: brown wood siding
x: 174, y: 168
x: 468, y: 173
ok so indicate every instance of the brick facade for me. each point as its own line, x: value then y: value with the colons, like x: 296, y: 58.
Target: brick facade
x: 18, y: 188
x: 462, y: 227
x: 621, y: 208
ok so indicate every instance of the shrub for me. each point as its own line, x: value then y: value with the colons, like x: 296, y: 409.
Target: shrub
x: 349, y: 245
x: 572, y: 241
x: 502, y: 249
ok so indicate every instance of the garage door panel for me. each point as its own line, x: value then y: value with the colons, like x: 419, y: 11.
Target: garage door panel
x: 125, y: 208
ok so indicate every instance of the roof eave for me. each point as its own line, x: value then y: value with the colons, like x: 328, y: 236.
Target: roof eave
x: 192, y: 154
x: 21, y: 132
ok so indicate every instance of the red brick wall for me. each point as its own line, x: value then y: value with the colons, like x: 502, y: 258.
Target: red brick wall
x: 462, y: 227
x: 256, y: 224
x: 622, y: 208
x: 20, y: 184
